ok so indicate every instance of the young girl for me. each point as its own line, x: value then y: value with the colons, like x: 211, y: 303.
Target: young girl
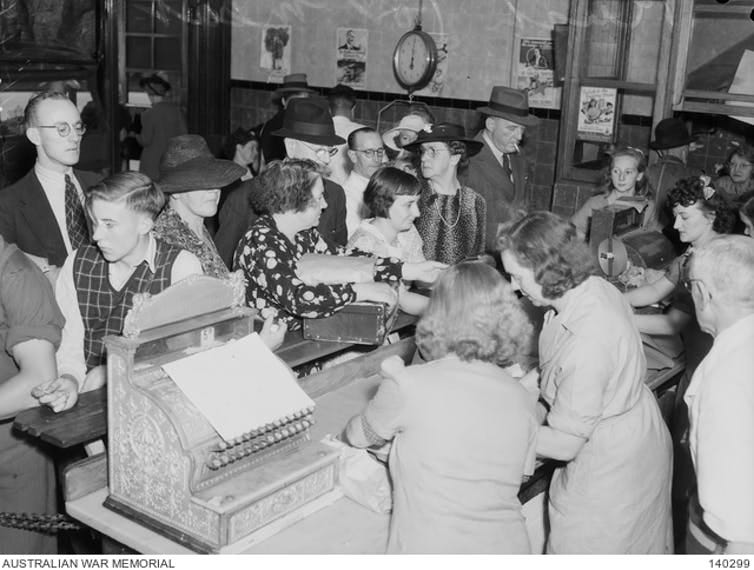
x: 462, y: 428
x: 740, y: 177
x: 626, y: 182
x: 391, y: 197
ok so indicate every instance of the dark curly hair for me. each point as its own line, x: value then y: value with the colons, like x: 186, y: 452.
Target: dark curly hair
x: 284, y: 186
x: 385, y: 184
x: 551, y: 247
x: 474, y: 314
x: 690, y: 191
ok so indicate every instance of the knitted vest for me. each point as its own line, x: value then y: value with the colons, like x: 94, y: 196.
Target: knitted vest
x: 103, y: 309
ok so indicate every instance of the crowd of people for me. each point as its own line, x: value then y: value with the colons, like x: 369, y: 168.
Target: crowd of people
x: 420, y: 203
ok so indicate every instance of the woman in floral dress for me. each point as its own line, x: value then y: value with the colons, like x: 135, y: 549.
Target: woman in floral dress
x: 290, y: 196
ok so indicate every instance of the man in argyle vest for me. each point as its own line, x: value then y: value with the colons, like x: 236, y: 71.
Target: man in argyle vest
x: 97, y: 282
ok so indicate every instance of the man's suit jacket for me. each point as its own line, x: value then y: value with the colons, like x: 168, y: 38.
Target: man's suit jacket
x: 487, y: 176
x: 237, y: 215
x: 26, y: 217
x: 273, y: 147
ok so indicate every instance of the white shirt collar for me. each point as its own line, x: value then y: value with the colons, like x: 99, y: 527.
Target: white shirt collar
x: 495, y: 151
x: 48, y: 175
x: 120, y: 274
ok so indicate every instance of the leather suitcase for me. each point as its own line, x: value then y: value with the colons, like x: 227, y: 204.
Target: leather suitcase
x: 362, y: 322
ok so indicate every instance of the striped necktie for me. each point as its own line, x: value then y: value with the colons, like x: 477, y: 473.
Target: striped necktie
x: 75, y: 218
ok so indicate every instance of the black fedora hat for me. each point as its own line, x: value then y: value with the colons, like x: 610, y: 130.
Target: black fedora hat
x: 445, y: 132
x: 510, y: 104
x: 189, y: 165
x: 155, y: 84
x: 670, y: 133
x: 294, y: 83
x: 309, y: 120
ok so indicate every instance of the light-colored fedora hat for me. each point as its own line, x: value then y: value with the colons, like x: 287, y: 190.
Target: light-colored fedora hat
x: 294, y: 83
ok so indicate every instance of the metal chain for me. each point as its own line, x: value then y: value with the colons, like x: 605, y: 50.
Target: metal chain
x: 44, y: 524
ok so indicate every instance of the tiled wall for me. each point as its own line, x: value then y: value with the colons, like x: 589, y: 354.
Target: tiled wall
x: 251, y: 105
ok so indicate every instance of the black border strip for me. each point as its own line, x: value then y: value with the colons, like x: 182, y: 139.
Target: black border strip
x: 383, y: 96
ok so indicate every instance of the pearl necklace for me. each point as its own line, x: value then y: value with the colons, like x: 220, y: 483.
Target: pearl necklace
x: 442, y: 218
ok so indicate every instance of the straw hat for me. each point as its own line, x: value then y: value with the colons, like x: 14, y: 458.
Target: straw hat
x: 410, y: 122
x: 189, y: 165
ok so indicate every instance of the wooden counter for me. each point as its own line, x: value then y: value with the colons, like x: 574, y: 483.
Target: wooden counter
x: 87, y: 420
x: 343, y: 527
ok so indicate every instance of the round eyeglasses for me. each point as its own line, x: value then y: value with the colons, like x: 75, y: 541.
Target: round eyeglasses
x: 64, y: 129
x: 371, y: 153
x: 322, y: 151
x: 432, y: 152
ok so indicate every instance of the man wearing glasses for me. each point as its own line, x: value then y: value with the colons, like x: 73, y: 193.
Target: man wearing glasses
x: 43, y: 212
x: 367, y: 155
x: 308, y: 133
x: 720, y: 398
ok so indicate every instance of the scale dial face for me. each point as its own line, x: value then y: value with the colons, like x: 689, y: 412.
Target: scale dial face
x: 415, y: 60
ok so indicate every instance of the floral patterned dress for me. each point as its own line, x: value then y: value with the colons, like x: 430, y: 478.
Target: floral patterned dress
x: 268, y: 260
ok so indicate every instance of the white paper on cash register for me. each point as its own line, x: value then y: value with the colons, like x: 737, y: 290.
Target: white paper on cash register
x: 238, y: 386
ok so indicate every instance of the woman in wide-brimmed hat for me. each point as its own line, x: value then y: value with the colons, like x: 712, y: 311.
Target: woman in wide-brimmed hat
x: 453, y: 217
x: 192, y: 177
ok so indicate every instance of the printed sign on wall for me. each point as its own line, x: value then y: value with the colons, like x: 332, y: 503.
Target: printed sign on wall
x: 351, y: 57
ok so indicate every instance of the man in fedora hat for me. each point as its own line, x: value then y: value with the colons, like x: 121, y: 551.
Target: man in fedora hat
x: 671, y: 143
x: 308, y: 133
x: 342, y: 100
x: 295, y: 86
x: 498, y: 172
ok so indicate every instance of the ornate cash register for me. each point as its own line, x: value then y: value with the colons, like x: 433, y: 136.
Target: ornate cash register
x: 168, y: 466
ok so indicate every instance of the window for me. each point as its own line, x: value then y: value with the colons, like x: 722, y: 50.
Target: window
x: 613, y: 87
x: 154, y: 40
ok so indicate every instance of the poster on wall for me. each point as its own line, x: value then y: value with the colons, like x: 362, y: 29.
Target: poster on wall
x: 276, y: 51
x: 351, y: 57
x: 436, y: 85
x: 596, y: 113
x: 536, y: 72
